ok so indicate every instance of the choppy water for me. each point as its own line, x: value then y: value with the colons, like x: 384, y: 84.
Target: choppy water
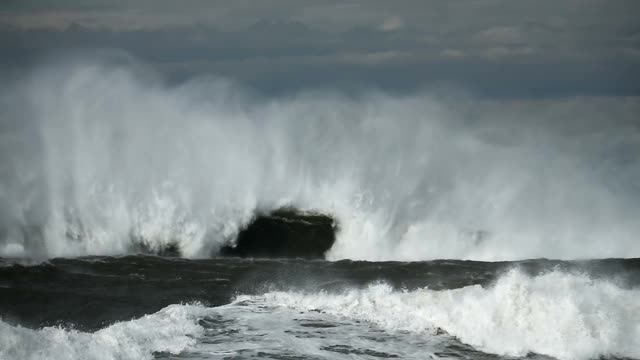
x: 138, y: 307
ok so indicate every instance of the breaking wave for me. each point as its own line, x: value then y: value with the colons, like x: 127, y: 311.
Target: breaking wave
x: 98, y: 157
x: 558, y: 314
x: 172, y: 330
x: 566, y: 316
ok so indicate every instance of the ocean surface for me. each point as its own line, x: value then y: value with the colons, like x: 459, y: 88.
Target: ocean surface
x: 146, y: 307
x: 101, y: 160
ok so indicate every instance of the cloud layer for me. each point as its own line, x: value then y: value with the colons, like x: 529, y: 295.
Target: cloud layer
x: 490, y: 48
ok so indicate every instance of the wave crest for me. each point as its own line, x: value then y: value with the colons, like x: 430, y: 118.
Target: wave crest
x: 97, y: 158
x: 563, y: 315
x: 172, y: 329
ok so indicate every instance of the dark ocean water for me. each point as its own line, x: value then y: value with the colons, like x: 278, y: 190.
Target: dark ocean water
x: 139, y: 306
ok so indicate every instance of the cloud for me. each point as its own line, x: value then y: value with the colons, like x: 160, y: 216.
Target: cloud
x: 506, y: 51
x: 452, y: 53
x: 391, y: 24
x: 488, y: 47
x: 501, y: 35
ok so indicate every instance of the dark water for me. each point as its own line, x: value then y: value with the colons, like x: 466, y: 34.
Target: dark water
x: 92, y: 293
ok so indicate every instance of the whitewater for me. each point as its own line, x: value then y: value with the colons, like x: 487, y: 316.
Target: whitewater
x: 101, y: 155
x: 558, y: 314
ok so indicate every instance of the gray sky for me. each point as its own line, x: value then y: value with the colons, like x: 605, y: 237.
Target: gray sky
x: 488, y: 47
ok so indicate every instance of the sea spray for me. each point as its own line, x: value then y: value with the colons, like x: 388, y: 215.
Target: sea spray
x: 99, y: 159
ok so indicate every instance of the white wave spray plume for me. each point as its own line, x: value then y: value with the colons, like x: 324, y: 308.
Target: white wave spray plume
x: 97, y: 157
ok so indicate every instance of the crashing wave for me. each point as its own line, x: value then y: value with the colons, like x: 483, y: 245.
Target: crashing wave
x: 171, y: 330
x: 96, y: 159
x: 566, y: 316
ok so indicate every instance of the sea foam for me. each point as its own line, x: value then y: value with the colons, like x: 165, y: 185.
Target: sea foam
x: 172, y: 330
x: 566, y: 316
x: 563, y: 315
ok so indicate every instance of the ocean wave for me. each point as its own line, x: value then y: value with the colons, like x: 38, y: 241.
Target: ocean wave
x: 96, y: 158
x: 566, y: 316
x: 172, y: 330
x: 558, y: 314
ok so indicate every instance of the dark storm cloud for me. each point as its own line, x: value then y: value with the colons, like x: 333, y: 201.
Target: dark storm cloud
x: 490, y: 47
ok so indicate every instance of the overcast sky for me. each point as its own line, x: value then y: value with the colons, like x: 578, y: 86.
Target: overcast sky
x: 491, y: 48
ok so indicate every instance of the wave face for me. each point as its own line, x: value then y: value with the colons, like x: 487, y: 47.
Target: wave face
x: 100, y: 157
x: 562, y: 315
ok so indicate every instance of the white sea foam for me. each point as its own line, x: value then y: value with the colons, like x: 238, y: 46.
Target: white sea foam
x: 172, y: 329
x: 95, y: 156
x: 566, y: 316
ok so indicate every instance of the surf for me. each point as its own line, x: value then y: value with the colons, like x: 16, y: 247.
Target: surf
x: 558, y: 314
x: 172, y: 330
x: 101, y: 158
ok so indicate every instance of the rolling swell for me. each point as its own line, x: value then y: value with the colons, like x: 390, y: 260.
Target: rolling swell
x: 99, y: 158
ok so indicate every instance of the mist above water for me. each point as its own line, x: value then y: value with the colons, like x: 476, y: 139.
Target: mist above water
x: 99, y: 158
